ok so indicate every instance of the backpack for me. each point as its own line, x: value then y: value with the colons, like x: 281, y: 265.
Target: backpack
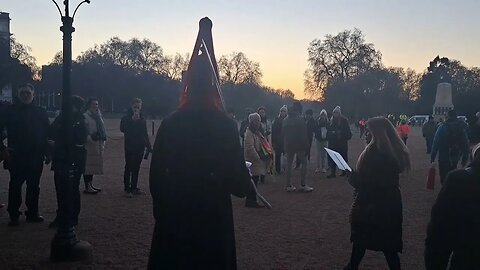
x: 454, y: 138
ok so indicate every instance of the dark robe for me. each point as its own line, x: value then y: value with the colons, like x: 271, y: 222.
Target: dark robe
x: 454, y: 228
x: 197, y: 163
x: 376, y: 215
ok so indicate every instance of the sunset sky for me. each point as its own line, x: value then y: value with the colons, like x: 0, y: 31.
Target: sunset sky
x: 275, y: 33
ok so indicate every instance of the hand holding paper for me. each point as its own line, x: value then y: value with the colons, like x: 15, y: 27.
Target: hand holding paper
x: 338, y: 159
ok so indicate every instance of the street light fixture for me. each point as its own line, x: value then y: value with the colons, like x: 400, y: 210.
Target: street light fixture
x: 65, y: 245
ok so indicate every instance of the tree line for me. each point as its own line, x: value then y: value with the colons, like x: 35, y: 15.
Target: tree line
x: 343, y: 69
x: 346, y: 70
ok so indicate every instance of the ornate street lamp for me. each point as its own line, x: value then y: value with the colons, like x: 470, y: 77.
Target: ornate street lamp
x: 65, y: 245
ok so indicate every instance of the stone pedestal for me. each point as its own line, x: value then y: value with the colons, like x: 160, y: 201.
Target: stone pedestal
x: 443, y: 101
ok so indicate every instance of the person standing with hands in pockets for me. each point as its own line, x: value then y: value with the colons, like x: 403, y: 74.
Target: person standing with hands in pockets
x: 134, y: 127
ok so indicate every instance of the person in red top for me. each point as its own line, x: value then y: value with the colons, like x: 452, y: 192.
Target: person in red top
x: 403, y: 130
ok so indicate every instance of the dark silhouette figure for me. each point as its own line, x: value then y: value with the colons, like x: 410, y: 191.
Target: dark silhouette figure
x: 63, y: 171
x: 376, y: 215
x: 454, y: 228
x: 193, y: 174
x: 277, y: 138
x: 27, y: 135
x: 451, y: 144
x: 338, y: 135
x: 134, y: 126
x: 428, y: 132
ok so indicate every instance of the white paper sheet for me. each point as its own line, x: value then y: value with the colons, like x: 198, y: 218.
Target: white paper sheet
x: 338, y: 159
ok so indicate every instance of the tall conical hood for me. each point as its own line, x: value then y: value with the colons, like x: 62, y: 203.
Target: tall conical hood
x: 201, y: 87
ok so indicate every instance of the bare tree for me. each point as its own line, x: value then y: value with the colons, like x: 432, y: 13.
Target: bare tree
x: 338, y: 58
x: 175, y: 65
x: 236, y: 68
x: 22, y: 54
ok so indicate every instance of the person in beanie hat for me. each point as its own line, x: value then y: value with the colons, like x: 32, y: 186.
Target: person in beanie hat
x: 192, y: 207
x: 338, y: 135
x: 321, y: 138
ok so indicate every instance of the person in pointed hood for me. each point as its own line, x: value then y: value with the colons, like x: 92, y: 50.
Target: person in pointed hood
x: 197, y: 163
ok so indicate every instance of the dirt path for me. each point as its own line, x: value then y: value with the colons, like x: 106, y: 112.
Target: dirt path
x: 302, y: 231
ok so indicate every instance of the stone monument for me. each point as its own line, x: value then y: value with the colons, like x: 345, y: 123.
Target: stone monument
x: 443, y: 100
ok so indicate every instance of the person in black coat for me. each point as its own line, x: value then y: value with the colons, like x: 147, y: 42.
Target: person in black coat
x: 454, y: 229
x: 64, y: 170
x: 376, y: 215
x: 193, y: 174
x: 338, y: 135
x: 27, y: 135
x: 134, y: 126
x: 277, y: 138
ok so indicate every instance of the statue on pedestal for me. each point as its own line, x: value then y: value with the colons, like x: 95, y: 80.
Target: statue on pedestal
x: 443, y: 100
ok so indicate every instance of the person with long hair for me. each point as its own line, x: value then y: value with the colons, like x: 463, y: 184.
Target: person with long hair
x: 454, y: 229
x: 95, y: 145
x: 376, y: 215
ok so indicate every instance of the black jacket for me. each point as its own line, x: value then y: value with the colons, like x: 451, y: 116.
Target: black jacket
x: 339, y: 133
x: 27, y: 134
x: 376, y: 215
x: 455, y: 223
x: 277, y: 134
x: 197, y: 162
x: 136, y: 134
x: 77, y: 145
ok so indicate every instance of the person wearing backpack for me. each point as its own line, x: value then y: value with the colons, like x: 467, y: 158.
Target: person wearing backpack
x: 454, y: 229
x: 451, y: 143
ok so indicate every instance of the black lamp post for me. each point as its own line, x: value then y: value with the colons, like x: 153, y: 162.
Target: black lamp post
x: 65, y: 245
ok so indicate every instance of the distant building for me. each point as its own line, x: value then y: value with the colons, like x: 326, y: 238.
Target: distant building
x: 4, y: 37
x: 5, y: 87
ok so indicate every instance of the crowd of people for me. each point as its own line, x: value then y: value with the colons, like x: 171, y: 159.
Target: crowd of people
x: 33, y: 142
x: 192, y: 207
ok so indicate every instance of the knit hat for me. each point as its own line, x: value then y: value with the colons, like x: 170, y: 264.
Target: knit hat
x: 254, y: 116
x: 337, y: 109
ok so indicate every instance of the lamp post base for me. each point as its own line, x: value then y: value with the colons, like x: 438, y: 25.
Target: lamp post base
x: 66, y: 247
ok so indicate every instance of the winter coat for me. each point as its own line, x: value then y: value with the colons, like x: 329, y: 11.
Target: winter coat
x: 295, y: 137
x: 27, y: 135
x: 191, y: 179
x: 403, y: 130
x: 376, y: 215
x: 429, y: 129
x: 339, y: 134
x: 277, y: 134
x: 95, y: 149
x: 321, y: 130
x: 136, y: 134
x: 455, y: 223
x: 79, y: 139
x: 252, y: 146
x: 441, y: 143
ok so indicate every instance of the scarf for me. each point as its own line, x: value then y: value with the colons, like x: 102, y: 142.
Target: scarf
x: 97, y: 116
